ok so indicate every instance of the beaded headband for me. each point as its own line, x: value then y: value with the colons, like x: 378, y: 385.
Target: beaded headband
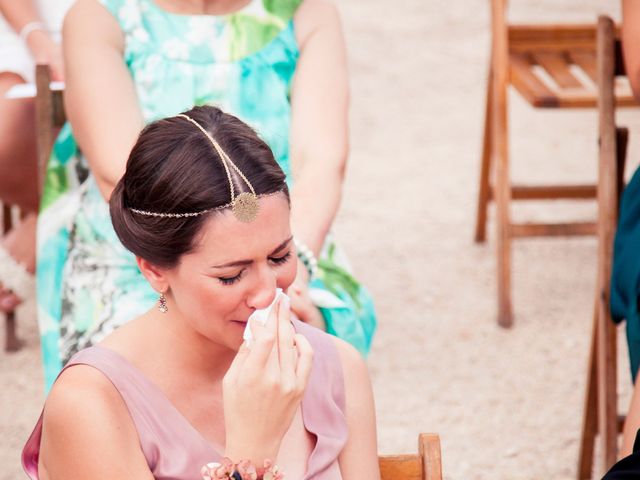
x: 244, y: 206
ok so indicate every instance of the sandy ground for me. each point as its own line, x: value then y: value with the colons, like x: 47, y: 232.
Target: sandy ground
x: 507, y: 403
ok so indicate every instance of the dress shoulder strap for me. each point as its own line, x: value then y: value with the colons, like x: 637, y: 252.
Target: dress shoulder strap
x: 167, y: 440
x: 323, y: 406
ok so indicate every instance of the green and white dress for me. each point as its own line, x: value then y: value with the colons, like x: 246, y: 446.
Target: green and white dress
x: 88, y: 284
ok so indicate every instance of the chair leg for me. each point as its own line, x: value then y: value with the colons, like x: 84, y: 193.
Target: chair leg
x: 485, y: 169
x: 590, y: 413
x: 502, y: 190
x: 607, y: 388
x: 505, y: 312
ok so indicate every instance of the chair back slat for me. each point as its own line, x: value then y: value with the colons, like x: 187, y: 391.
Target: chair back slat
x: 551, y: 37
x: 401, y: 467
x: 558, y: 66
x: 426, y: 465
x: 586, y: 60
x: 524, y: 79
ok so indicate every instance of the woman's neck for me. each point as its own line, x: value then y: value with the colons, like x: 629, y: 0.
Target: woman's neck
x: 158, y: 342
x: 191, y: 351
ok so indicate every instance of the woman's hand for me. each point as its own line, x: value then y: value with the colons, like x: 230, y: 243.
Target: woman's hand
x: 45, y: 49
x: 263, y: 388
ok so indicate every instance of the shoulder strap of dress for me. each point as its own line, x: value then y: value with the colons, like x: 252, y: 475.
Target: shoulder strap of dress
x: 113, y: 367
x: 167, y: 440
x: 326, y: 360
x: 323, y: 406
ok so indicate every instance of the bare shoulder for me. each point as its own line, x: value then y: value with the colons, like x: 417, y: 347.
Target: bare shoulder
x: 89, y: 19
x: 314, y: 15
x: 86, y: 423
x: 353, y: 365
x: 82, y: 399
x: 77, y: 384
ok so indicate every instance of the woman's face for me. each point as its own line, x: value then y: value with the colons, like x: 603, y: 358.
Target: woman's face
x: 234, y: 270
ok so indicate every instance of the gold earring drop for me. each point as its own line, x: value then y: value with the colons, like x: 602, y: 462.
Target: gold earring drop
x: 162, y: 304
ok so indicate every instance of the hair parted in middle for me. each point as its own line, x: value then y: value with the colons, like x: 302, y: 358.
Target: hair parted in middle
x: 174, y: 168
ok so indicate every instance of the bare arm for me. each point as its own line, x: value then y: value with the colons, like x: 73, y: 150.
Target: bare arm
x: 319, y: 125
x: 18, y: 14
x: 87, y: 431
x: 40, y: 43
x: 359, y: 459
x: 100, y: 97
x: 631, y: 42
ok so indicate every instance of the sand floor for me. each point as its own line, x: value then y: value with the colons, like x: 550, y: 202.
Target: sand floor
x: 507, y: 403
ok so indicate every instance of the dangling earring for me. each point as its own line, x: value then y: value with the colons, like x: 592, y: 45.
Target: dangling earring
x: 162, y: 304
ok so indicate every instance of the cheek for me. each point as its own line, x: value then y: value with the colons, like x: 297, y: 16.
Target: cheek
x: 288, y: 273
x: 204, y: 299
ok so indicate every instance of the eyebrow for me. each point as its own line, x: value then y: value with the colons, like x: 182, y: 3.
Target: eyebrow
x: 244, y: 263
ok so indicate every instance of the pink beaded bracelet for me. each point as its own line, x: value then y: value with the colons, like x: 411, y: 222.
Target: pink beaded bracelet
x: 243, y: 470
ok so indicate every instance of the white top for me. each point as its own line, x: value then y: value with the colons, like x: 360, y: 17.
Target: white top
x: 14, y: 55
x: 52, y: 12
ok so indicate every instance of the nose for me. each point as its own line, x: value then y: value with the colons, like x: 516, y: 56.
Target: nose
x: 264, y: 291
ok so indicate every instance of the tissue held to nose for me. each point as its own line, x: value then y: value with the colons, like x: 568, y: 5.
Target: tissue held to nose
x: 261, y: 315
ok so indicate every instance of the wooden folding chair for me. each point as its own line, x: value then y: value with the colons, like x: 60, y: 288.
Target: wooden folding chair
x: 425, y: 465
x: 600, y: 409
x: 50, y: 117
x: 551, y: 66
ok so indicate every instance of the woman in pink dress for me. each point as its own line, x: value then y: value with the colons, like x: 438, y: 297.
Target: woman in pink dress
x: 205, y: 208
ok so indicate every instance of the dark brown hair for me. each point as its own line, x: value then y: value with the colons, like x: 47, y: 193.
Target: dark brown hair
x: 173, y: 168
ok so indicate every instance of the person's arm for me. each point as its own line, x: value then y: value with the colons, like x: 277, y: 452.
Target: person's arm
x: 631, y: 42
x: 42, y: 46
x: 319, y: 122
x: 359, y: 459
x: 88, y: 432
x: 100, y: 97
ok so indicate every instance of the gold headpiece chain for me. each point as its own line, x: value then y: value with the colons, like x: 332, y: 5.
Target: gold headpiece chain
x: 244, y: 206
x: 226, y: 161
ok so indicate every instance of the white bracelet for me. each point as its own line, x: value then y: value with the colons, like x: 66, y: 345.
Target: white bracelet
x: 29, y: 28
x: 306, y: 256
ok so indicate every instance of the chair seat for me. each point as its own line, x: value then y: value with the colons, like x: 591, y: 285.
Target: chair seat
x: 554, y: 66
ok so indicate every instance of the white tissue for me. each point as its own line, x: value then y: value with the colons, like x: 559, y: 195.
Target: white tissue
x: 262, y: 315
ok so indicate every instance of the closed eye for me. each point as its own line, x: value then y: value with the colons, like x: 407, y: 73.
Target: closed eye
x: 232, y: 280
x: 281, y: 260
x: 275, y: 260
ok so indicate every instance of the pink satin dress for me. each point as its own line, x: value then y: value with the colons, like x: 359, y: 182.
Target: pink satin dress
x: 175, y: 450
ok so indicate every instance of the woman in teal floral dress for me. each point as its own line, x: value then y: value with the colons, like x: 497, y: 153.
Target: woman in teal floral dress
x: 129, y: 62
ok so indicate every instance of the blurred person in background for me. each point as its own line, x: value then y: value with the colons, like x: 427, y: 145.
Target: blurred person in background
x: 278, y: 65
x: 29, y: 34
x: 625, y: 281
